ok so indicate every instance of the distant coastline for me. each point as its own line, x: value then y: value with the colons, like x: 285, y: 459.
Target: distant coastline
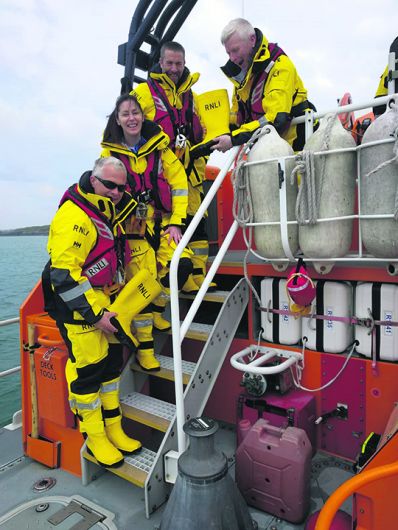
x: 27, y: 231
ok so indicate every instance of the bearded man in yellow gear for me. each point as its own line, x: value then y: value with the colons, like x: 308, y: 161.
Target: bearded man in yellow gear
x: 167, y: 99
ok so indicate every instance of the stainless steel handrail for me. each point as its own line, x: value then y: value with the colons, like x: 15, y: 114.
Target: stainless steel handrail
x: 9, y: 321
x: 178, y: 333
x: 10, y: 371
x: 16, y: 368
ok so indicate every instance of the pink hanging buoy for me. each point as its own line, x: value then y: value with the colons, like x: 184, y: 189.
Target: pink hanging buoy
x: 300, y: 288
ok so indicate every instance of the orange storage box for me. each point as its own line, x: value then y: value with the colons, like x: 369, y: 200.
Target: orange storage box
x: 52, y: 389
x: 46, y: 332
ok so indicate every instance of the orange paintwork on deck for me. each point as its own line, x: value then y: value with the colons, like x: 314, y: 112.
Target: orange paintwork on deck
x: 59, y: 441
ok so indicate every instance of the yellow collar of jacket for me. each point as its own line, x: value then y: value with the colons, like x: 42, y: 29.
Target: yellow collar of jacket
x: 173, y: 92
x: 116, y: 217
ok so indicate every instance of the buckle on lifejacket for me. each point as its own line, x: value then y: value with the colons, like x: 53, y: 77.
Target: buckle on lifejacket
x: 110, y: 290
x: 144, y: 197
x: 180, y: 141
x: 141, y: 211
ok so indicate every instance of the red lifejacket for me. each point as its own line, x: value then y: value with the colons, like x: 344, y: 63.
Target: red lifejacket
x: 101, y: 265
x: 360, y: 126
x: 252, y: 109
x: 151, y: 186
x: 175, y: 121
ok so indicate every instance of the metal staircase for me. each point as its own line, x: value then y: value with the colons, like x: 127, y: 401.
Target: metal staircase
x: 147, y: 469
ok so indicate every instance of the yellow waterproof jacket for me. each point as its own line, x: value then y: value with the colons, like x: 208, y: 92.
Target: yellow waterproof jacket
x: 283, y: 90
x: 172, y: 168
x: 382, y: 89
x: 72, y: 237
x: 174, y: 95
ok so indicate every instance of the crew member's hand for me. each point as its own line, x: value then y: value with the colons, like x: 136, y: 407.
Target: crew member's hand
x: 105, y: 324
x: 174, y: 233
x: 222, y: 143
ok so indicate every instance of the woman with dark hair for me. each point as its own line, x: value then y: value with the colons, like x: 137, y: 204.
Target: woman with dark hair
x: 158, y: 182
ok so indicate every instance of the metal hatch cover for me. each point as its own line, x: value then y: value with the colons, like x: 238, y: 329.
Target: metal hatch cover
x: 58, y: 513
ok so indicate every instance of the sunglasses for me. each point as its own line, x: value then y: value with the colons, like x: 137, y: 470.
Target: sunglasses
x: 110, y: 185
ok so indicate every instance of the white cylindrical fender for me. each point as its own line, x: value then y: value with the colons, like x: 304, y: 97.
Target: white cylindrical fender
x: 379, y: 188
x: 264, y: 190
x: 335, y: 176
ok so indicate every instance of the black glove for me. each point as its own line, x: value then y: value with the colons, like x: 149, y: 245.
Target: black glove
x: 201, y: 150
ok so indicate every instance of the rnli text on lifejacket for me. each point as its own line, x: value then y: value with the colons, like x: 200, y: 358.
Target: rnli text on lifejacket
x: 81, y: 230
x: 211, y: 106
x: 96, y: 268
x: 143, y: 290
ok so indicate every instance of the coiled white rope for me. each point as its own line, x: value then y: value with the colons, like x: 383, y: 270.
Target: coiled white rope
x: 242, y: 206
x: 306, y: 207
x: 309, y: 194
x: 300, y: 367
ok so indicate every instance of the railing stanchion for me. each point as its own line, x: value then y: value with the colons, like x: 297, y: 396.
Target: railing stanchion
x: 177, y: 336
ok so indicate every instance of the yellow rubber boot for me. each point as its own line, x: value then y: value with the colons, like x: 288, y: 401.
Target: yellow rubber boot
x: 109, y: 395
x: 102, y: 449
x: 158, y: 307
x: 98, y: 444
x: 145, y: 353
x: 147, y: 360
x: 159, y: 322
x: 115, y: 433
x: 190, y: 286
x: 133, y: 298
x: 200, y: 250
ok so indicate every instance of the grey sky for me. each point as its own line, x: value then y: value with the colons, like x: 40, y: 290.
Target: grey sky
x: 59, y: 78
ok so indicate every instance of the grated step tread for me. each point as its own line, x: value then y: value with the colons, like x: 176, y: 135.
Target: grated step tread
x: 148, y: 410
x: 215, y: 296
x: 198, y: 331
x: 167, y: 369
x: 136, y: 467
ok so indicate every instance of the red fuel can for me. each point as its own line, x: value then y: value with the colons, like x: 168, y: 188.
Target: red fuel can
x: 273, y: 470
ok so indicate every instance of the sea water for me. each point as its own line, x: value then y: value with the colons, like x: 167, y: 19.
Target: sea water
x: 22, y: 258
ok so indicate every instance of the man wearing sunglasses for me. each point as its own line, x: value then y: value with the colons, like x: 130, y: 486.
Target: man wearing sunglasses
x: 88, y: 256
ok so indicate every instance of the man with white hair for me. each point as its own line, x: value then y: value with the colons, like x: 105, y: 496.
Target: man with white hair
x: 267, y: 87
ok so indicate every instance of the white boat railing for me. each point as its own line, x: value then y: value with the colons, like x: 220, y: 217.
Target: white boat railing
x: 179, y: 330
x: 16, y: 369
x: 376, y: 102
x: 355, y: 255
x: 9, y: 321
